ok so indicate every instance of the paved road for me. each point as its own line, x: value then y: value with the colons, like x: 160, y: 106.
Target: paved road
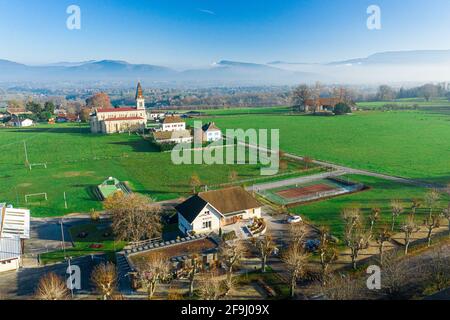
x: 22, y: 284
x: 292, y: 181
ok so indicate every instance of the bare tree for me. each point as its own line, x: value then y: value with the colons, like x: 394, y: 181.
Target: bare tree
x: 439, y: 270
x: 297, y: 233
x: 152, y: 272
x: 383, y: 236
x: 431, y: 199
x: 416, y: 204
x: 396, y: 209
x: 446, y: 215
x: 300, y: 96
x: 193, y: 269
x: 373, y: 218
x: 104, y: 278
x: 342, y: 287
x: 210, y: 286
x: 52, y: 287
x: 431, y: 223
x: 230, y: 254
x: 296, y: 259
x: 233, y: 176
x: 134, y: 217
x: 308, y: 161
x: 328, y: 253
x: 394, y: 276
x: 195, y: 182
x: 266, y: 247
x: 409, y: 228
x: 356, y: 239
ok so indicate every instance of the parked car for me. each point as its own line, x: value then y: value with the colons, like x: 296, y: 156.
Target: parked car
x: 294, y: 219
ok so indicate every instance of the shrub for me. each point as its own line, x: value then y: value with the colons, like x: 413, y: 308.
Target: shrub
x: 342, y: 108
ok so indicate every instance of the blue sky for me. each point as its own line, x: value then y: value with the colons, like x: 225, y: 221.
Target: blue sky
x: 194, y: 33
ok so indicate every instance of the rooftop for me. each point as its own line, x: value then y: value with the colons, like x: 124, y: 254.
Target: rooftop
x: 173, y: 119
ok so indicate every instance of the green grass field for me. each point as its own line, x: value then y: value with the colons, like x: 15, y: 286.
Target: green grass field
x: 328, y: 212
x: 407, y: 103
x: 412, y: 144
x: 77, y: 161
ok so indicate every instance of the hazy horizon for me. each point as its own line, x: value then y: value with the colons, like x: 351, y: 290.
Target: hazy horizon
x: 186, y: 34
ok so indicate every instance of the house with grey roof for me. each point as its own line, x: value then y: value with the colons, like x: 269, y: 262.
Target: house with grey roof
x: 209, y: 211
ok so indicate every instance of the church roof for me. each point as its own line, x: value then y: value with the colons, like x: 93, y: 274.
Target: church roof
x: 124, y: 118
x: 139, y: 94
x: 116, y: 110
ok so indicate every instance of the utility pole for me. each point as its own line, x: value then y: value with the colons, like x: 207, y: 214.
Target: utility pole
x: 26, y: 152
x: 65, y: 200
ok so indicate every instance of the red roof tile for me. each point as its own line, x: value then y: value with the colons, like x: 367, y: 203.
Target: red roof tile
x: 116, y: 110
x: 124, y: 118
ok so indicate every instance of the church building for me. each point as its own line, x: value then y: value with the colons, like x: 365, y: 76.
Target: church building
x: 118, y: 120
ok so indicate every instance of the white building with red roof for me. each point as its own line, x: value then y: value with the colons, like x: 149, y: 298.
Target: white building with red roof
x: 118, y: 120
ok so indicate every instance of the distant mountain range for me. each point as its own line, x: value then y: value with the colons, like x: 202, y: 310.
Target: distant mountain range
x: 403, y: 66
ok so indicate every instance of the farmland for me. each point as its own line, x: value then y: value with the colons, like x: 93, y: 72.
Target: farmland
x: 413, y: 144
x: 77, y: 160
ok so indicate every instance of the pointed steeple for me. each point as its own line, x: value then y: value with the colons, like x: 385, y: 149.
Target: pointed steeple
x: 139, y: 94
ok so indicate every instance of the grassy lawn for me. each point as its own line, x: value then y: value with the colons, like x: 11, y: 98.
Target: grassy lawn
x: 97, y: 233
x: 78, y: 160
x: 412, y: 144
x: 406, y: 103
x: 328, y: 212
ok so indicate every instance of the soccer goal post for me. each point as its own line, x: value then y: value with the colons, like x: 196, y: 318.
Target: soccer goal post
x: 42, y: 194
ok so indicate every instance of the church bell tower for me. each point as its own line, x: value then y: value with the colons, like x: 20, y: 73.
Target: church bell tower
x: 140, y: 101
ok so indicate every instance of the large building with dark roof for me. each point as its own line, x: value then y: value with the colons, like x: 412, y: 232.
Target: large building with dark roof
x: 209, y: 211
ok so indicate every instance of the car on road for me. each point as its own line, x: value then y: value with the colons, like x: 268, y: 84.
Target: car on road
x: 294, y: 219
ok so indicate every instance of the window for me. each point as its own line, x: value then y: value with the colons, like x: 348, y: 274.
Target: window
x: 207, y: 225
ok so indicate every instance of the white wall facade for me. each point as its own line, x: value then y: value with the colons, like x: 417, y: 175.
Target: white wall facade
x: 174, y: 126
x: 9, y: 265
x: 213, y: 135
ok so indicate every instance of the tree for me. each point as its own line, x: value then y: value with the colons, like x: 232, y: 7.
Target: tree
x: 385, y: 93
x: 384, y: 235
x: 431, y: 198
x: 233, y: 176
x: 355, y: 237
x: 328, y: 253
x: 152, y: 272
x: 104, y: 278
x: 134, y: 217
x: 99, y: 101
x: 373, y: 218
x: 307, y: 161
x: 429, y: 91
x: 409, y: 228
x: 446, y: 215
x: 295, y: 259
x: 416, y: 204
x: 210, y: 287
x: 297, y: 233
x: 230, y: 254
x: 396, y: 209
x: 266, y: 247
x: 431, y: 223
x: 192, y: 269
x: 342, y: 108
x: 85, y: 114
x: 195, y: 182
x: 300, y: 96
x: 52, y: 287
x: 394, y: 276
x: 49, y: 107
